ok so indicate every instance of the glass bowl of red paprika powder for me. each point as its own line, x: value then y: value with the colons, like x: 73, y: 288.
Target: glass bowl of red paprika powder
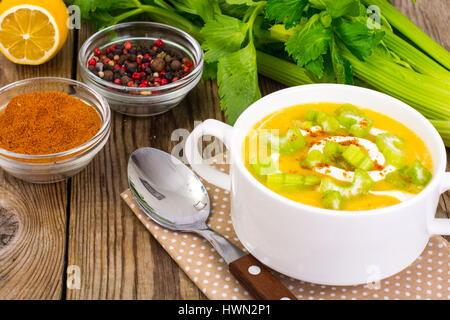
x: 50, y: 167
x: 141, y: 101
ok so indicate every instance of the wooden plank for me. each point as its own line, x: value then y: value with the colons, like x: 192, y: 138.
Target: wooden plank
x: 34, y: 216
x: 118, y: 258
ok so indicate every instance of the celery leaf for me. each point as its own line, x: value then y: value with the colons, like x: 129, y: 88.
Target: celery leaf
x: 288, y: 12
x: 359, y: 39
x: 308, y: 44
x: 336, y: 9
x: 222, y: 35
x: 341, y: 66
x: 237, y: 77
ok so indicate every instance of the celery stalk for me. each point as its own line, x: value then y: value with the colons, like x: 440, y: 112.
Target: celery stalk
x: 416, y: 58
x: 270, y: 67
x: 403, y: 84
x: 443, y: 127
x: 411, y: 31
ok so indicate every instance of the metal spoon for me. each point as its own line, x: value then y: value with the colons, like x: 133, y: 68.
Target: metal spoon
x: 172, y: 196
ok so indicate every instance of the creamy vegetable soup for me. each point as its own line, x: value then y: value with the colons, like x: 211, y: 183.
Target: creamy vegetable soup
x: 337, y: 156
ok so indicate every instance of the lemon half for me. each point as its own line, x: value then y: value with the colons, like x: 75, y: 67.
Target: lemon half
x: 34, y: 32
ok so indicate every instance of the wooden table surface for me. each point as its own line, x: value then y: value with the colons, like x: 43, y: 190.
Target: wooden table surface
x: 82, y: 223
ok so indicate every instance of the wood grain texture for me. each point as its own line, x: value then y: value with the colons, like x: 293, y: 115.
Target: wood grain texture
x: 31, y: 263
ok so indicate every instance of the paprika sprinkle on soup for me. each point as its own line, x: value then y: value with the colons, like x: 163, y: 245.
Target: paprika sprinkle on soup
x: 50, y: 122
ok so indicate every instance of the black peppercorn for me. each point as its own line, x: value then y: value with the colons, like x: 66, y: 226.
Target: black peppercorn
x: 157, y: 64
x: 108, y: 75
x: 175, y: 65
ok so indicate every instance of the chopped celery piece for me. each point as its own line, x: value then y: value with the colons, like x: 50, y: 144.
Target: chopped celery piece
x: 419, y: 175
x: 278, y: 180
x: 314, y: 158
x: 366, y: 164
x: 332, y: 200
x: 311, y: 115
x: 357, y: 158
x: 396, y: 179
x: 390, y: 145
x: 416, y: 174
x: 354, y: 119
x: 303, y: 124
x: 353, y: 155
x: 328, y: 185
x: 263, y: 167
x: 328, y: 123
x: 311, y: 181
x: 293, y: 179
x: 291, y: 141
x: 362, y: 183
x: 275, y: 180
x: 332, y: 148
x: 362, y: 128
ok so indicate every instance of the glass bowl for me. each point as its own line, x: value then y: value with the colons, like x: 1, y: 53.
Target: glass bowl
x: 142, y: 101
x: 59, y: 166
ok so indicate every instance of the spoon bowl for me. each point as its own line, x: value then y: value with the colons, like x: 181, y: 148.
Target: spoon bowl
x: 174, y: 197
x: 168, y: 191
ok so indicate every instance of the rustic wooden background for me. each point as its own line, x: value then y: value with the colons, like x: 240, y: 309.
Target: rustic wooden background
x: 44, y: 229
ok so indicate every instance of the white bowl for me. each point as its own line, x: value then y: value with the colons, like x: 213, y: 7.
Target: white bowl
x: 320, y: 245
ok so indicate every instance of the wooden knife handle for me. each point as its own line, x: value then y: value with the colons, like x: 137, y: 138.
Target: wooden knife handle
x: 258, y: 280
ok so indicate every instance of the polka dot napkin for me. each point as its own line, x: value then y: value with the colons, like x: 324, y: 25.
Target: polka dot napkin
x: 427, y: 278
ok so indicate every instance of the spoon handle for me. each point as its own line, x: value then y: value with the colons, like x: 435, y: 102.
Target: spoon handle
x: 251, y: 273
x: 258, y: 280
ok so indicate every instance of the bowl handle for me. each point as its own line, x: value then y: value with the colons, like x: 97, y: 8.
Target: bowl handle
x: 441, y: 226
x: 219, y: 130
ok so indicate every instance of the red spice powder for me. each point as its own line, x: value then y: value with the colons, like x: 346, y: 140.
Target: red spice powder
x: 46, y: 122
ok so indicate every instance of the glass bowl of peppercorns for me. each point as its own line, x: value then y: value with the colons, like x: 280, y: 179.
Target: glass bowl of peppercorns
x: 141, y: 68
